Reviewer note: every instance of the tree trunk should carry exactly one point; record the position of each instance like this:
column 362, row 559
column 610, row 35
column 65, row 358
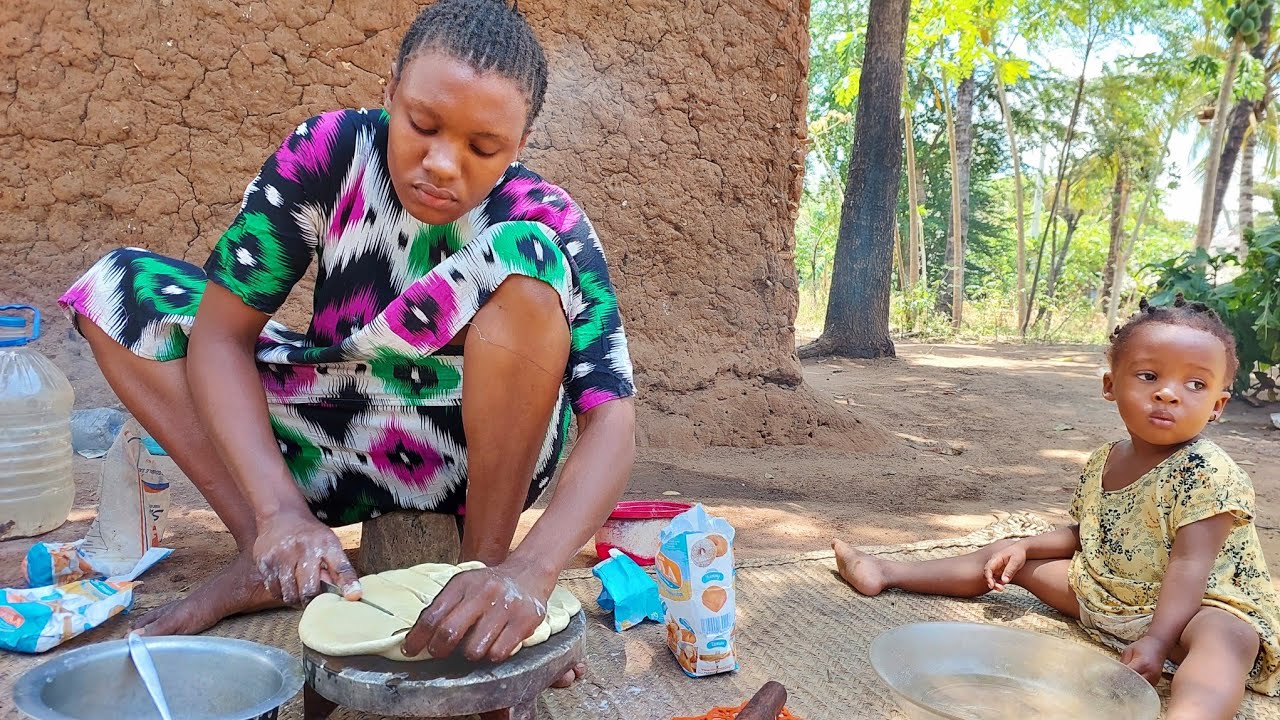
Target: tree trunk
column 1037, row 198
column 915, row 235
column 1072, row 219
column 1241, row 119
column 898, row 263
column 1119, row 210
column 1059, row 260
column 1019, row 200
column 857, row 322
column 960, row 124
column 1204, row 228
column 1246, row 188
column 1242, row 115
column 813, row 272
column 1062, row 169
column 1113, row 302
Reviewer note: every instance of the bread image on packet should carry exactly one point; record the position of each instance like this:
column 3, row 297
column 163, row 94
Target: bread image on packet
column 695, row 579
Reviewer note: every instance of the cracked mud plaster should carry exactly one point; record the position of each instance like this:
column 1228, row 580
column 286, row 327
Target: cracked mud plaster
column 679, row 127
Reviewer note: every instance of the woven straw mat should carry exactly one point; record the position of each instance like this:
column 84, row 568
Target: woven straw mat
column 798, row 623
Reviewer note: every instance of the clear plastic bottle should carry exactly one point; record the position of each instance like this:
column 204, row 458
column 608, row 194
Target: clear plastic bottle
column 36, row 485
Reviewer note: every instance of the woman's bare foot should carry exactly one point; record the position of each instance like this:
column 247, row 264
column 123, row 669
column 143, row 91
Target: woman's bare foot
column 571, row 677
column 237, row 589
column 859, row 569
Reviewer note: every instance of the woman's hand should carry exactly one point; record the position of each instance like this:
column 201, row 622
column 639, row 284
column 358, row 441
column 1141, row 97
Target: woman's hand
column 1004, row 565
column 487, row 613
column 1146, row 657
column 294, row 552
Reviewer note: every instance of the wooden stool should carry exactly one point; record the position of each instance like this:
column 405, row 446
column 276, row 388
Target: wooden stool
column 406, row 538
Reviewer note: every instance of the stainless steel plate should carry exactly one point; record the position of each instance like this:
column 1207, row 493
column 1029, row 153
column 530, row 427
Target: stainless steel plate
column 204, row 678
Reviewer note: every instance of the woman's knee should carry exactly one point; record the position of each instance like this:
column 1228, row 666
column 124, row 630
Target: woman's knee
column 104, row 347
column 524, row 308
column 528, row 294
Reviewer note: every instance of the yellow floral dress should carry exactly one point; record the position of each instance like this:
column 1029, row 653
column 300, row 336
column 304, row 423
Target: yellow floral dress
column 1126, row 539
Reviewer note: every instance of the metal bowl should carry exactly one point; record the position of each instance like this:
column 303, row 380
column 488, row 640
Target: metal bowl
column 967, row 671
column 204, row 678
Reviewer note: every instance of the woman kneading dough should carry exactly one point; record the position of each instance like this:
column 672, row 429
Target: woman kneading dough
column 462, row 314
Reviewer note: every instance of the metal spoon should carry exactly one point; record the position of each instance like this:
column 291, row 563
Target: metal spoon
column 147, row 670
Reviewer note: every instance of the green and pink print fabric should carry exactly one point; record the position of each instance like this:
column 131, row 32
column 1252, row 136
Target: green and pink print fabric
column 366, row 404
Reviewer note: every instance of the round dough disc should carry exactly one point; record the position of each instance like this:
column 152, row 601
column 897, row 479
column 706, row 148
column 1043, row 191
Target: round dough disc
column 400, row 601
column 335, row 626
column 425, row 588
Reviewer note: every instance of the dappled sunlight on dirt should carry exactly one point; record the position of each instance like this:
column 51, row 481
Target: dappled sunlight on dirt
column 1077, row 456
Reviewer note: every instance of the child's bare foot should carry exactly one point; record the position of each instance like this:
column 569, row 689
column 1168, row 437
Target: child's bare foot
column 237, row 589
column 859, row 569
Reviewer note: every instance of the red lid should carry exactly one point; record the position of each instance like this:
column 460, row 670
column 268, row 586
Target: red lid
column 647, row 509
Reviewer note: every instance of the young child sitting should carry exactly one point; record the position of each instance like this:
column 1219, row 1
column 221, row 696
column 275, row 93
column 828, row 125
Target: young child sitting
column 1164, row 563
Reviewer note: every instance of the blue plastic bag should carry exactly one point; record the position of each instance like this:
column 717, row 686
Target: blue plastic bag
column 627, row 591
column 34, row 620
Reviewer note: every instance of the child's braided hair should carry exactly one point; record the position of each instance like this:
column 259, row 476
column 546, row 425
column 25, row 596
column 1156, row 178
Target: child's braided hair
column 489, row 35
column 1188, row 314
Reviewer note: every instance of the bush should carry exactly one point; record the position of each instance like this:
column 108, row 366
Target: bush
column 1249, row 302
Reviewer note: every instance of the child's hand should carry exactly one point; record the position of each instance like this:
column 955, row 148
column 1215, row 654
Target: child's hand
column 1004, row 565
column 1146, row 657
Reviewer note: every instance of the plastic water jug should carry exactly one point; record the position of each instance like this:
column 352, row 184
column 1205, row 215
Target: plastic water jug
column 36, row 485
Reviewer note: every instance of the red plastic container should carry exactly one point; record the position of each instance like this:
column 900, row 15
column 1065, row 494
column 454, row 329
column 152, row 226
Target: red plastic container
column 633, row 528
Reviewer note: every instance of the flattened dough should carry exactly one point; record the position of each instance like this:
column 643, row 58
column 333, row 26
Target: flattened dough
column 421, row 586
column 335, row 626
column 397, row 599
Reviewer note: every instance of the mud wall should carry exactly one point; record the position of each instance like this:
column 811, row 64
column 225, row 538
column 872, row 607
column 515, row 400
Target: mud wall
column 678, row 126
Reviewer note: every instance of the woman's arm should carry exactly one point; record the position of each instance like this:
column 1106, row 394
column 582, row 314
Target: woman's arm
column 232, row 405
column 594, row 476
column 292, row 546
column 1195, row 549
column 490, row 612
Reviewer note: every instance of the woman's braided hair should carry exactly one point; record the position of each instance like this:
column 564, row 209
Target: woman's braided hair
column 1187, row 314
column 489, row 35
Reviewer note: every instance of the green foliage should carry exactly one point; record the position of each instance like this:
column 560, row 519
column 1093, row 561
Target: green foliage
column 1250, row 81
column 1249, row 301
column 1134, row 100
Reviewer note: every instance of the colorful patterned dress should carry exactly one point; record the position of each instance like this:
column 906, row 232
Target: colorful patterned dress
column 1127, row 536
column 367, row 404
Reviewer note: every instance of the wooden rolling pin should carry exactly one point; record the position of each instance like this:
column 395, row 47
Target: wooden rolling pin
column 766, row 704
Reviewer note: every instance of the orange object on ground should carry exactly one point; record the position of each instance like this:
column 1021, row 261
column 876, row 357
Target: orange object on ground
column 727, row 713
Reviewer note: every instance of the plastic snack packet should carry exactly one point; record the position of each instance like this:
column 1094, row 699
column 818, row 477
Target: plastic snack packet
column 37, row 619
column 34, row 620
column 627, row 591
column 695, row 579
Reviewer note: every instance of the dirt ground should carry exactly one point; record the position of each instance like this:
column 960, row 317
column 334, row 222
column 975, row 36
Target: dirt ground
column 979, row 431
